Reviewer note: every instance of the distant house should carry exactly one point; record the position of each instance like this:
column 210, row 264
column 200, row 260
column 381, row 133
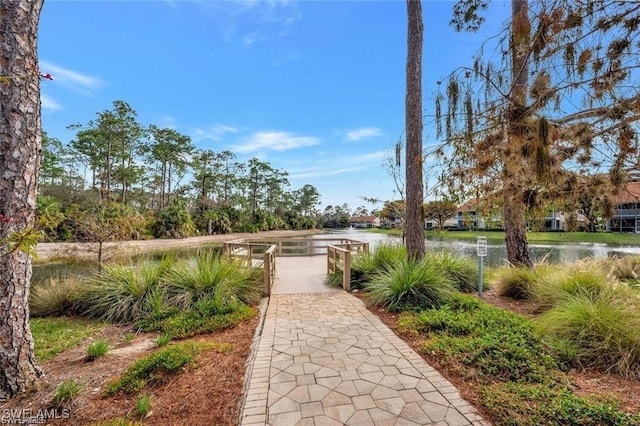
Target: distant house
column 627, row 213
column 468, row 217
column 554, row 221
column 450, row 223
column 365, row 222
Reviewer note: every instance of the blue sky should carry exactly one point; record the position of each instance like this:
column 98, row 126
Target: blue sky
column 313, row 87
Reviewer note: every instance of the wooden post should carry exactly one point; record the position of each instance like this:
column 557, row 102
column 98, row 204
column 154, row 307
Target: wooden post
column 266, row 259
column 346, row 271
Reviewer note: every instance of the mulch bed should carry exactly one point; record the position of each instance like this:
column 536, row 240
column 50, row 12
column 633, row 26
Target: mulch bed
column 206, row 393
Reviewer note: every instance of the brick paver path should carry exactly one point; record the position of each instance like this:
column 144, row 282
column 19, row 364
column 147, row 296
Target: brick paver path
column 324, row 359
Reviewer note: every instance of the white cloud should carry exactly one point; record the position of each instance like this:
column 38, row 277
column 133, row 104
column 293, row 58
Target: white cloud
column 252, row 21
column 73, row 80
column 293, row 19
column 362, row 133
column 251, row 38
column 325, row 172
column 377, row 156
column 339, row 166
column 276, row 141
column 213, row 133
column 49, row 104
column 285, row 59
column 167, row 122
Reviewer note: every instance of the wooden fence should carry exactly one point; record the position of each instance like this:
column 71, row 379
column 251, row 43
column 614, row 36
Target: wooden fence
column 295, row 246
column 339, row 260
column 257, row 256
column 262, row 253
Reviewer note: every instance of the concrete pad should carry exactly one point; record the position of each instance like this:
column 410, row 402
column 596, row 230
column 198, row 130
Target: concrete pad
column 301, row 275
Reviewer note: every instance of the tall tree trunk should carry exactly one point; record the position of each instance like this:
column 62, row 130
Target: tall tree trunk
column 164, row 180
column 513, row 178
column 108, row 197
column 168, row 196
column 123, row 193
column 20, row 146
column 414, row 216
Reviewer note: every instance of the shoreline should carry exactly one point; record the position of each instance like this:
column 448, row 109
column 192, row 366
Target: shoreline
column 48, row 251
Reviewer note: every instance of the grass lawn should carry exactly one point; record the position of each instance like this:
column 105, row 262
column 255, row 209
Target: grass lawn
column 52, row 336
column 558, row 237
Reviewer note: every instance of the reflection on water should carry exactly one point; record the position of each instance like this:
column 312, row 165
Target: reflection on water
column 496, row 253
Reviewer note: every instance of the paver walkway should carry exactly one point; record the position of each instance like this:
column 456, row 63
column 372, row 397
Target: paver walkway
column 324, row 359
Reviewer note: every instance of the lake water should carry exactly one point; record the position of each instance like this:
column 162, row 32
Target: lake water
column 496, row 252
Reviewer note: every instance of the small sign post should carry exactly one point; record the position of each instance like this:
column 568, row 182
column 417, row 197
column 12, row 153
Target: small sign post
column 482, row 252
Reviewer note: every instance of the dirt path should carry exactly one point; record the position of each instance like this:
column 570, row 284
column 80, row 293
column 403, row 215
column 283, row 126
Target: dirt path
column 48, row 251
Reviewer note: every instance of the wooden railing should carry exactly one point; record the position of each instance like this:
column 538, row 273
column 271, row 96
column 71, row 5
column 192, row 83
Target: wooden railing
column 339, row 260
column 297, row 246
column 257, row 256
column 269, row 268
column 261, row 253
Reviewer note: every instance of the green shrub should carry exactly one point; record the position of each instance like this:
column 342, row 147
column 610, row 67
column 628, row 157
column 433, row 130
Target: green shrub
column 209, row 276
column 98, row 349
column 495, row 356
column 515, row 283
column 163, row 339
column 56, row 296
column 155, row 368
column 496, row 344
column 533, row 405
column 143, row 405
column 54, row 335
column 206, row 317
column 465, row 302
column 409, row 284
column 366, row 265
column 48, row 216
column 626, row 268
column 122, row 293
column 599, row 332
column 66, row 392
column 334, row 279
column 501, row 354
column 556, row 286
column 174, row 221
column 462, row 271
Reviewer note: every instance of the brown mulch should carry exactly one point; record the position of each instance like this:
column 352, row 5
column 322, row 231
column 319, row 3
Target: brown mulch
column 206, row 393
